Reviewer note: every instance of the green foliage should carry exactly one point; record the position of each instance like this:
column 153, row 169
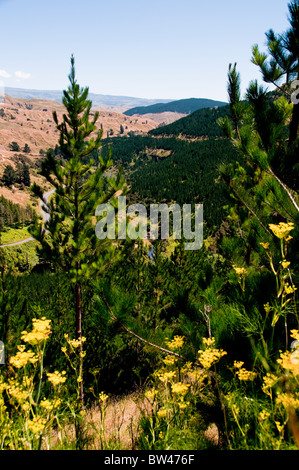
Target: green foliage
column 13, row 215
column 200, row 123
column 187, row 175
column 9, row 176
column 14, row 146
column 26, row 149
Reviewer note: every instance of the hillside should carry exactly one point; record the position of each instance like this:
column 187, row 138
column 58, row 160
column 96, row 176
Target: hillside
column 165, row 169
column 30, row 121
column 199, row 124
column 185, row 106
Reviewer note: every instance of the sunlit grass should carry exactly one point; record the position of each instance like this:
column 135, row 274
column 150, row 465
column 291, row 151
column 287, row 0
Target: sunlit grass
column 12, row 235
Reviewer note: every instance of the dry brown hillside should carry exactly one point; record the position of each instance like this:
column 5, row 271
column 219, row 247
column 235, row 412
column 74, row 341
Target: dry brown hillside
column 30, row 121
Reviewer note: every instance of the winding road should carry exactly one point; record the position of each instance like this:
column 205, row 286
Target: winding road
column 45, row 215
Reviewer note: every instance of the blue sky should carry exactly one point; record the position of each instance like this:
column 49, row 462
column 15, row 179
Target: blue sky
column 150, row 49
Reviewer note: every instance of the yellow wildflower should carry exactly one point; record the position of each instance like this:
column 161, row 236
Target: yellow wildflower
column 264, row 415
column 187, row 368
column 269, row 380
column 103, row 397
column 210, row 356
column 49, row 405
column 75, row 343
column 245, row 375
column 265, row 245
column 280, row 427
column 288, row 400
column 242, row 373
column 176, row 343
column 238, row 364
column 208, row 341
column 179, row 388
column 282, row 230
column 166, row 376
column 16, row 392
column 25, row 406
column 151, row 394
column 295, row 334
column 268, row 308
column 40, row 332
column 169, row 360
column 162, row 413
column 183, row 404
column 239, row 271
column 36, row 425
column 23, row 357
column 289, row 361
column 56, row 378
column 46, row 404
column 289, row 289
column 285, row 264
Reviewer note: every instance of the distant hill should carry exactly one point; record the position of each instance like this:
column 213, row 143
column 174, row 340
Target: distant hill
column 31, row 121
column 198, row 124
column 186, row 106
column 125, row 102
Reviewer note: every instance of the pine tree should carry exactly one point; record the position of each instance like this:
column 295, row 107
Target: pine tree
column 9, row 176
column 282, row 64
column 26, row 149
column 262, row 129
column 26, row 175
column 68, row 238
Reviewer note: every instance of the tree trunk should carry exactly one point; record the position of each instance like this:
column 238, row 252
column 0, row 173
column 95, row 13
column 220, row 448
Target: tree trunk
column 79, row 337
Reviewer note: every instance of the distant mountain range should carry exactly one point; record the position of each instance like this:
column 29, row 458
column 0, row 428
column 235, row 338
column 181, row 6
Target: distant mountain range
column 185, row 106
column 97, row 99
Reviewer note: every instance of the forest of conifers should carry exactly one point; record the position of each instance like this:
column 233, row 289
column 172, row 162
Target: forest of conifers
column 205, row 341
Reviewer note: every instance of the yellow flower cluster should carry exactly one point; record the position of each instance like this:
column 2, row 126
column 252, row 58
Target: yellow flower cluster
column 162, row 412
column 210, row 355
column 268, row 308
column 16, row 391
column 103, row 397
column 295, row 334
column 285, row 264
column 151, row 394
column 56, row 378
column 75, row 343
column 179, row 388
column 239, row 271
column 288, row 362
column 269, row 380
column 169, row 360
column 242, row 373
column 22, row 358
column 166, row 376
column 36, row 425
column 288, row 400
column 282, row 230
column 265, row 245
column 264, row 415
column 289, row 289
column 49, row 405
column 40, row 332
column 176, row 343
